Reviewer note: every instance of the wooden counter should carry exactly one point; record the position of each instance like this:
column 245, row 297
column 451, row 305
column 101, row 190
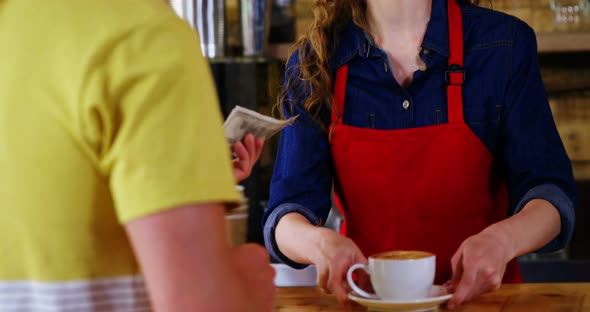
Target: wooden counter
column 509, row 298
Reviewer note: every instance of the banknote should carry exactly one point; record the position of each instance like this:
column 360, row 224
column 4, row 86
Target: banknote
column 242, row 121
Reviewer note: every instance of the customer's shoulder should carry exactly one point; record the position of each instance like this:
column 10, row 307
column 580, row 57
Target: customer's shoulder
column 80, row 19
column 120, row 14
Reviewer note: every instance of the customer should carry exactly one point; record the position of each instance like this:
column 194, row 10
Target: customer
column 112, row 159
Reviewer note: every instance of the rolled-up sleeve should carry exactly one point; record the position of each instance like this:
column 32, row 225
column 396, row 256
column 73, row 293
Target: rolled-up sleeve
column 273, row 220
column 302, row 176
column 532, row 151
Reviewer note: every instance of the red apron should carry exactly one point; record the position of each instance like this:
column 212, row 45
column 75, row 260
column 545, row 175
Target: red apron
column 426, row 188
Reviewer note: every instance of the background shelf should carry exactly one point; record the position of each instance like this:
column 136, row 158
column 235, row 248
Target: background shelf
column 560, row 42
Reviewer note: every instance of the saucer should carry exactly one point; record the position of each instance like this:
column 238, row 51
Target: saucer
column 431, row 303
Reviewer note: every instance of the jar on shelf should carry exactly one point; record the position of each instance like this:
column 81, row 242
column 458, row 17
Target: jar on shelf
column 571, row 14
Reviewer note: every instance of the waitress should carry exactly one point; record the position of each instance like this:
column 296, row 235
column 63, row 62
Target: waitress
column 429, row 120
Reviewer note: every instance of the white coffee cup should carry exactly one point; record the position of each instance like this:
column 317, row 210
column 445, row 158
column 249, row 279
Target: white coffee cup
column 398, row 275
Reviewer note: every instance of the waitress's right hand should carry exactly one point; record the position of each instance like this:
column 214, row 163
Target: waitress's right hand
column 336, row 253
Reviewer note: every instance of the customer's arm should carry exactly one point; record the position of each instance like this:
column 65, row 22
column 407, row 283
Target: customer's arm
column 186, row 260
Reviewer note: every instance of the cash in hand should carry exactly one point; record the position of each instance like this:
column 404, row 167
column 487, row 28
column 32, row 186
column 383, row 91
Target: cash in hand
column 242, row 121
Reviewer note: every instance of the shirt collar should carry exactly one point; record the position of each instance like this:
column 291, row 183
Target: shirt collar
column 353, row 41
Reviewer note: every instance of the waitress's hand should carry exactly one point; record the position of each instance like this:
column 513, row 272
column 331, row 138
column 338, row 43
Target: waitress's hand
column 479, row 265
column 336, row 253
column 247, row 154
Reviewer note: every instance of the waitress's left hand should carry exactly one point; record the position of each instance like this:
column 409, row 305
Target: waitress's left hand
column 247, row 154
column 479, row 265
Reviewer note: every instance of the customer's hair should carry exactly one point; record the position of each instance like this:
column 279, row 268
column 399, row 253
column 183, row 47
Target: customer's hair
column 315, row 47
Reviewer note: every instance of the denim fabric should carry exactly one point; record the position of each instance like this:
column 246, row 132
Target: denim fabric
column 504, row 104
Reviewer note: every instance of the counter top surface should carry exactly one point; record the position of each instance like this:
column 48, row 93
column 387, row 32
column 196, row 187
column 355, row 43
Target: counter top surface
column 509, row 298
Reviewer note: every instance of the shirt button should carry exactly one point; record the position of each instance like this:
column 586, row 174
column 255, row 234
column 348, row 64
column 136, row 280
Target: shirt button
column 406, row 104
column 425, row 51
column 423, row 67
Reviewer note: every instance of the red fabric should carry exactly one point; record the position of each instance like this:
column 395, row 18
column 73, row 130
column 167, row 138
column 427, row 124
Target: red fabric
column 454, row 90
column 455, row 33
column 396, row 196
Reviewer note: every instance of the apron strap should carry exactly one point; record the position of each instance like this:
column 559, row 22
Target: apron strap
column 339, row 95
column 455, row 74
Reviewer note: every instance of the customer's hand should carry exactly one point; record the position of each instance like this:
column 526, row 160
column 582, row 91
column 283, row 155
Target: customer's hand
column 479, row 265
column 257, row 275
column 335, row 255
column 247, row 153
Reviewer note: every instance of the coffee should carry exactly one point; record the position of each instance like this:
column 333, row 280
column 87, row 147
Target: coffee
column 402, row 255
column 397, row 275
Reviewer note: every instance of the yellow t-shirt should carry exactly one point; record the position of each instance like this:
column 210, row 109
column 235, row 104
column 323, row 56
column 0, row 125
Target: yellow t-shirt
column 107, row 113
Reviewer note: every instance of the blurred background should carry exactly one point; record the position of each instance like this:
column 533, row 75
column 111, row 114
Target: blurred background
column 248, row 41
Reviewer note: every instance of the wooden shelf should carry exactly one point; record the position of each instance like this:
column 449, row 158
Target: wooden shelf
column 551, row 42
column 556, row 42
column 552, row 37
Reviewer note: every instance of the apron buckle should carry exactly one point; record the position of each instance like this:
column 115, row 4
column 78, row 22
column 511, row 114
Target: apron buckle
column 455, row 75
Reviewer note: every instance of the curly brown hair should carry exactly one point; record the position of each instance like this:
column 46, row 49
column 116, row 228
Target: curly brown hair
column 312, row 73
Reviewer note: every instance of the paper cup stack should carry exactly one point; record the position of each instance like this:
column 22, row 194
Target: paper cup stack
column 237, row 221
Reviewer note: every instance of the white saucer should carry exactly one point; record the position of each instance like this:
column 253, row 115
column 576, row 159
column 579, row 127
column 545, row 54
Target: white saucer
column 439, row 296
